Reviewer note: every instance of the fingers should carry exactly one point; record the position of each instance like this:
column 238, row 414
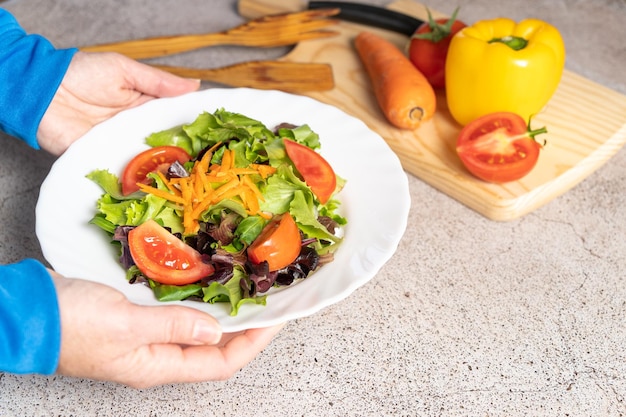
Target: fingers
column 172, row 364
column 157, row 83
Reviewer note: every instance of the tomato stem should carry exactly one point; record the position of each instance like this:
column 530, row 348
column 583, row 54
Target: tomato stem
column 437, row 31
column 514, row 42
column 534, row 132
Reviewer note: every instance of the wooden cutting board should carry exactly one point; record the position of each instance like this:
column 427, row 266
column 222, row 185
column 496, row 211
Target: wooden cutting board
column 586, row 123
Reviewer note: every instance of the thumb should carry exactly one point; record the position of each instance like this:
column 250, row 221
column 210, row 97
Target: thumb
column 158, row 83
column 175, row 324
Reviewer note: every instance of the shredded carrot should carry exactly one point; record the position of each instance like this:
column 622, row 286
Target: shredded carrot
column 263, row 170
column 252, row 187
column 208, row 184
column 196, row 211
column 172, row 189
column 161, row 193
column 228, row 160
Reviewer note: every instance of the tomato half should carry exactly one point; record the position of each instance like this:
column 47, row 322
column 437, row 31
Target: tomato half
column 498, row 147
column 154, row 159
column 278, row 243
column 165, row 258
column 429, row 49
column 315, row 170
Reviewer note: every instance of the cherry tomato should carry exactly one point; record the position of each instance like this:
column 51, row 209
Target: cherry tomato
column 278, row 243
column 499, row 147
column 165, row 258
column 429, row 44
column 315, row 170
column 154, row 159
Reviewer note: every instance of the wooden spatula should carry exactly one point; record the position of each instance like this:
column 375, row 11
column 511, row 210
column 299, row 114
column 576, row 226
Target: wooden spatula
column 291, row 77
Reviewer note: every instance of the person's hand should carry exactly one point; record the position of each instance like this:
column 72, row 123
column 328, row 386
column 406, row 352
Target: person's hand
column 96, row 87
column 106, row 337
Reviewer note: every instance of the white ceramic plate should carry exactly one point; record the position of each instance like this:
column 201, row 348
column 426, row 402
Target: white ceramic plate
column 375, row 199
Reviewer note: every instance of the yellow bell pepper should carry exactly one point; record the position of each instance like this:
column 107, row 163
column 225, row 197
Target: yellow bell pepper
column 499, row 65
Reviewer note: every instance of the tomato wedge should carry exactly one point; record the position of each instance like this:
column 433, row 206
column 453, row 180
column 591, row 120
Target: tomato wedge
column 165, row 258
column 278, row 243
column 315, row 170
column 499, row 147
column 154, row 159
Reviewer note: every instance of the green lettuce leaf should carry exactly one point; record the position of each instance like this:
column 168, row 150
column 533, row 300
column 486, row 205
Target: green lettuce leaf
column 175, row 136
column 303, row 211
column 301, row 134
column 110, row 184
column 230, row 292
column 164, row 292
column 115, row 209
column 249, row 228
column 280, row 190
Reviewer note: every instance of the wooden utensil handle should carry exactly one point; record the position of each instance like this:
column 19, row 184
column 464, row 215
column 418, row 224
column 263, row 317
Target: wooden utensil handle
column 159, row 46
column 265, row 75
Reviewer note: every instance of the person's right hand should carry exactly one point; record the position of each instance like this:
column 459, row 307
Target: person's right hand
column 106, row 337
column 96, row 87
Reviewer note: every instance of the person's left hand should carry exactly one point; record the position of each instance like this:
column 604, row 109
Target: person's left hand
column 96, row 87
column 106, row 337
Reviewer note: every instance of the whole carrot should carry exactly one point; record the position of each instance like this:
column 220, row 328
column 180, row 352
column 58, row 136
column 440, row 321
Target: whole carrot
column 404, row 95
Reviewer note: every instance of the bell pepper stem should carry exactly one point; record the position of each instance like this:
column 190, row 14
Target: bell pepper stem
column 514, row 42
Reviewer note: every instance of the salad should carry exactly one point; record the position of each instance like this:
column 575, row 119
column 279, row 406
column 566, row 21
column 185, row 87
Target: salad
column 222, row 209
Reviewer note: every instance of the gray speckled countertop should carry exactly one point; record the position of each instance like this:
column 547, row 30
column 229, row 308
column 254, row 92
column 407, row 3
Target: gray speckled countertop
column 469, row 318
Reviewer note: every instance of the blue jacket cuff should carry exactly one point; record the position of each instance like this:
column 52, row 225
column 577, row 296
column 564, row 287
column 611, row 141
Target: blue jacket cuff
column 30, row 323
column 31, row 70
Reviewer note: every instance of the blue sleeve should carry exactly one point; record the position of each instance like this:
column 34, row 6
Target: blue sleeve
column 30, row 324
column 31, row 70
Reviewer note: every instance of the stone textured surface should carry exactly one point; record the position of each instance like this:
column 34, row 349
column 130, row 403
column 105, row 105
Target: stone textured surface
column 470, row 317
